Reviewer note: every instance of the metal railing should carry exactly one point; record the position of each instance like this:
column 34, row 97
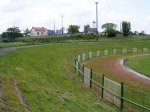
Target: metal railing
column 123, row 97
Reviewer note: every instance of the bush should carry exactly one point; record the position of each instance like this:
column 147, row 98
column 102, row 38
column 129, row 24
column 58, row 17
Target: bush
column 111, row 33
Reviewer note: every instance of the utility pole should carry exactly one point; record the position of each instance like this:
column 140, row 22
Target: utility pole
column 96, row 16
column 62, row 24
column 14, row 24
column 121, row 27
column 54, row 28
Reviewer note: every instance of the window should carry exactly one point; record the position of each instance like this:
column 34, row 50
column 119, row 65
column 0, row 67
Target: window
column 38, row 33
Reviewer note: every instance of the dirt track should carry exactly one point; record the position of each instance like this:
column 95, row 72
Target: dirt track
column 116, row 71
column 119, row 69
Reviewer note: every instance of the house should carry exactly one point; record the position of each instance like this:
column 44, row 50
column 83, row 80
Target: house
column 39, row 31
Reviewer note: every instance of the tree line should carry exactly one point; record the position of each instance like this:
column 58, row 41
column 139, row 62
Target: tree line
column 110, row 30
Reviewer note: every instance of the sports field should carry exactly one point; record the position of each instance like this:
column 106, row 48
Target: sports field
column 140, row 64
column 46, row 78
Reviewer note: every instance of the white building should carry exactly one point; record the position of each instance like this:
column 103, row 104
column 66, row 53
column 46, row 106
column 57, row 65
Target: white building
column 39, row 31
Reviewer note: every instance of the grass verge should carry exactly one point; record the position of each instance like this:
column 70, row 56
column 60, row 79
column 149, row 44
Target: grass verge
column 46, row 78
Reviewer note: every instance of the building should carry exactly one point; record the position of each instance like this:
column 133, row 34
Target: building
column 39, row 31
column 93, row 30
column 58, row 32
column 51, row 32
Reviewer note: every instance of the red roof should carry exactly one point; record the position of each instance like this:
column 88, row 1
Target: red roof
column 39, row 28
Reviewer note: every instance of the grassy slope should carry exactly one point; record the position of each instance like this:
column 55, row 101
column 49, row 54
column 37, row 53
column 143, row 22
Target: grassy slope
column 47, row 80
column 140, row 64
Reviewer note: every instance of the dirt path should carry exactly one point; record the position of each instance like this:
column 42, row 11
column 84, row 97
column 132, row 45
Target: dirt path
column 116, row 71
column 117, row 68
column 125, row 66
column 21, row 96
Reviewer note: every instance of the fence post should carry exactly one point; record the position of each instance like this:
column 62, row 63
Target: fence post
column 91, row 78
column 103, row 78
column 122, row 95
column 83, row 75
column 87, row 55
column 75, row 64
column 78, row 68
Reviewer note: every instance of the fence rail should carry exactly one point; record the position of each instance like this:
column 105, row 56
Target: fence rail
column 123, row 97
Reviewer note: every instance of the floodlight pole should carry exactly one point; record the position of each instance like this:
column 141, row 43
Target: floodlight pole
column 54, row 28
column 62, row 24
column 97, row 16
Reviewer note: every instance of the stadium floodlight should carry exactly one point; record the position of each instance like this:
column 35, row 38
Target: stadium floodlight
column 97, row 16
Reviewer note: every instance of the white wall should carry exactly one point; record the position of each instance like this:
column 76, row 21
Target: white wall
column 41, row 33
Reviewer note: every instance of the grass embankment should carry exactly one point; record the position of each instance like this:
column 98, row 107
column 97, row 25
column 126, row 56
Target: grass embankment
column 47, row 79
column 140, row 64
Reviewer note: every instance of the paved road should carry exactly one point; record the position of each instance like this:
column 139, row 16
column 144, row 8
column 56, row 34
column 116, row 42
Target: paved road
column 6, row 50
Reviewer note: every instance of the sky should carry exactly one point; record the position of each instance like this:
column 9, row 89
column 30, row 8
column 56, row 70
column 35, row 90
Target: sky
column 45, row 13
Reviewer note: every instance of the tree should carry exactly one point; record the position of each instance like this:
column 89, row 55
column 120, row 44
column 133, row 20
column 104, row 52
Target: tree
column 86, row 29
column 111, row 33
column 27, row 32
column 142, row 33
column 135, row 33
column 110, row 29
column 73, row 29
column 126, row 27
column 12, row 33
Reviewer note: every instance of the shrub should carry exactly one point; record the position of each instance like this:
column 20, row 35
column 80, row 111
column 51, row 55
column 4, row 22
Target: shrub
column 111, row 33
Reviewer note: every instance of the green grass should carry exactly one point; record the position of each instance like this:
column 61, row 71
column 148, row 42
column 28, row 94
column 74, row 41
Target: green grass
column 12, row 44
column 47, row 80
column 140, row 64
column 83, row 38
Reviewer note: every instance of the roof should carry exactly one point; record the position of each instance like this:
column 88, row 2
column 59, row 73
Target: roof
column 39, row 28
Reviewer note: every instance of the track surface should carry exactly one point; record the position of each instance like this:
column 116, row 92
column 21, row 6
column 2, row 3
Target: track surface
column 123, row 63
column 113, row 69
column 119, row 69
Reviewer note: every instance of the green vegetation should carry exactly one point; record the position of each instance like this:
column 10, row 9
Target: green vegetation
column 12, row 44
column 140, row 64
column 110, row 29
column 86, row 28
column 72, row 39
column 126, row 28
column 46, row 78
column 73, row 29
column 12, row 33
column 83, row 38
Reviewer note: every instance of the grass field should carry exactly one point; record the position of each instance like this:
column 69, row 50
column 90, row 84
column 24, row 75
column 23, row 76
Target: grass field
column 46, row 78
column 140, row 64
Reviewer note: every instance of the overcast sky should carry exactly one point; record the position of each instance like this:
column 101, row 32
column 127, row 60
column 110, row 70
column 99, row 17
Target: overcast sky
column 28, row 13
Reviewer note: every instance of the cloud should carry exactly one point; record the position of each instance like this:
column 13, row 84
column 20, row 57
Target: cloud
column 28, row 13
